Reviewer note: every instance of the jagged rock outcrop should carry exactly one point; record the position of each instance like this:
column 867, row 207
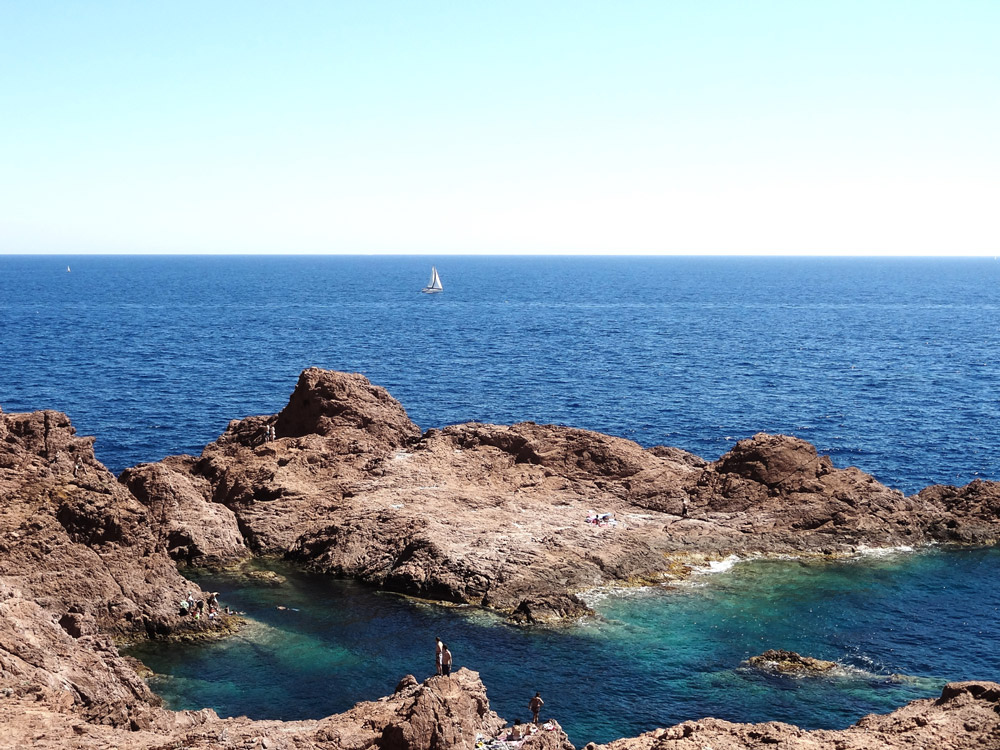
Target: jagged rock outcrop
column 496, row 515
column 362, row 417
column 442, row 713
column 76, row 541
column 185, row 525
column 83, row 563
column 79, row 566
column 549, row 609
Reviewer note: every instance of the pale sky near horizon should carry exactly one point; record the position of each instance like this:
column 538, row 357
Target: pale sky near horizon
column 633, row 127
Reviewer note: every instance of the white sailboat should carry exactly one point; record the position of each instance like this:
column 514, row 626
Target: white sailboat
column 434, row 285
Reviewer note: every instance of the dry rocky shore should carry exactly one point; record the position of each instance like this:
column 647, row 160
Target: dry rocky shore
column 488, row 515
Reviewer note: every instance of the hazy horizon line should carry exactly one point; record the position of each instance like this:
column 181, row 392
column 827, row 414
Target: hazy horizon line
column 453, row 254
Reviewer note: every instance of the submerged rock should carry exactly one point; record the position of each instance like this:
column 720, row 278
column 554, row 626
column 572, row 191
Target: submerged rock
column 549, row 609
column 789, row 662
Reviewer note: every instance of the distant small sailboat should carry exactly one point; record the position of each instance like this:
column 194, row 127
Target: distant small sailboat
column 434, row 286
column 67, row 269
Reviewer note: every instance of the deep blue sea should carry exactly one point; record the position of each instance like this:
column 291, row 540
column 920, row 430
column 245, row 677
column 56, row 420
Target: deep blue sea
column 886, row 364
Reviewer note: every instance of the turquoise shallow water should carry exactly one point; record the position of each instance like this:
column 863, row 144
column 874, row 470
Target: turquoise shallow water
column 652, row 657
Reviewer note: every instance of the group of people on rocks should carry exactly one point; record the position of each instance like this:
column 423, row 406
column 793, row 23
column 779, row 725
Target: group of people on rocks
column 443, row 661
column 198, row 607
column 601, row 519
column 248, row 435
column 513, row 738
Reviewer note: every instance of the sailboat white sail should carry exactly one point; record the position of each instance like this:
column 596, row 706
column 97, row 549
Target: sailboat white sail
column 435, row 283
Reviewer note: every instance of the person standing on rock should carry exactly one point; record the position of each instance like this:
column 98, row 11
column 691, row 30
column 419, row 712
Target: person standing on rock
column 437, row 655
column 535, row 704
column 446, row 661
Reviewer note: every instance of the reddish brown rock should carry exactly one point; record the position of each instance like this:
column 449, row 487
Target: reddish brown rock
column 966, row 716
column 362, row 417
column 966, row 515
column 186, row 524
column 549, row 609
column 76, row 541
column 774, row 460
column 443, row 713
column 496, row 515
column 79, row 565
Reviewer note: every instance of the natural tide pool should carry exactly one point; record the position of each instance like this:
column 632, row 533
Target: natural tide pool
column 652, row 657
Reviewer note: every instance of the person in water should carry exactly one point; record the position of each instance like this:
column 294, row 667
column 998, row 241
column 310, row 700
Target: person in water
column 446, row 661
column 535, row 705
column 437, row 656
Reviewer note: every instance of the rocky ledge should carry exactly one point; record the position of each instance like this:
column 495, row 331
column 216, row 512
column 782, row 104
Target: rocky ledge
column 965, row 716
column 342, row 481
column 497, row 516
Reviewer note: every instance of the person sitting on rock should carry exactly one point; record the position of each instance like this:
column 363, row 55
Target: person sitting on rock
column 517, row 733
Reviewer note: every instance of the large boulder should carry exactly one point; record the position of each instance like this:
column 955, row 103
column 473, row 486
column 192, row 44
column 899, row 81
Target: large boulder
column 190, row 527
column 772, row 460
column 346, row 406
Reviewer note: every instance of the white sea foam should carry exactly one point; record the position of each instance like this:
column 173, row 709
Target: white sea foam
column 593, row 597
column 689, row 583
column 864, row 550
column 717, row 566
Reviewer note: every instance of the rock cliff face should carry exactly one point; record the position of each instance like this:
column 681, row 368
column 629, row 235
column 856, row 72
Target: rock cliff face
column 84, row 564
column 79, row 566
column 440, row 713
column 343, row 482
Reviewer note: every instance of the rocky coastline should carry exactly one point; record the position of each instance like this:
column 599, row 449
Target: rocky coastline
column 342, row 482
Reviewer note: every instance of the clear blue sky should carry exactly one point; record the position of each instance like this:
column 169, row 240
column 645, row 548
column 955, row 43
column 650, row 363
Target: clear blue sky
column 701, row 126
